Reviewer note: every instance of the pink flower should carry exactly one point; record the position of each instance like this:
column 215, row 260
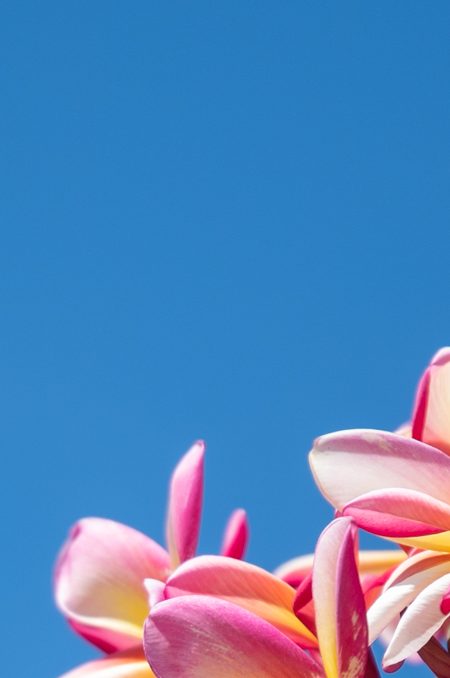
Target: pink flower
column 100, row 572
column 222, row 618
column 399, row 488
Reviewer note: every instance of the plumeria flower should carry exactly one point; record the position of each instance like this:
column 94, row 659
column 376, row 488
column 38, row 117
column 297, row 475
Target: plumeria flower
column 100, row 572
column 226, row 619
column 399, row 488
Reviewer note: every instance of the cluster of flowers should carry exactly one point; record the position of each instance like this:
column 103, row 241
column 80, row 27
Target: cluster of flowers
column 170, row 614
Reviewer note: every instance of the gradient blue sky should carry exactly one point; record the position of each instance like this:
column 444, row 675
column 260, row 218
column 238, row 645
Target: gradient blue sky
column 219, row 220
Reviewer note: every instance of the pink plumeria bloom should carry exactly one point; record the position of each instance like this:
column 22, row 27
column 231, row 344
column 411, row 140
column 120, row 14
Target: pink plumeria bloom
column 100, row 572
column 224, row 619
column 399, row 488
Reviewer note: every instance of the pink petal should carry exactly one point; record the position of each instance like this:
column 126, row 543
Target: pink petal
column 405, row 584
column 295, row 570
column 128, row 664
column 236, row 535
column 371, row 668
column 303, row 594
column 155, row 590
column 445, row 602
column 421, row 620
column 99, row 579
column 348, row 464
column 339, row 603
column 245, row 585
column 185, row 505
column 399, row 513
column 210, row 638
column 303, row 607
column 430, row 417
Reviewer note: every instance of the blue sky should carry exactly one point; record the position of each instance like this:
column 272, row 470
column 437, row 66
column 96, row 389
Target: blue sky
column 219, row 220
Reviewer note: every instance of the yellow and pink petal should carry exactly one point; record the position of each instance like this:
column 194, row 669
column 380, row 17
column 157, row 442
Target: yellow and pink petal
column 339, row 603
column 203, row 637
column 127, row 664
column 243, row 584
column 371, row 563
column 99, row 579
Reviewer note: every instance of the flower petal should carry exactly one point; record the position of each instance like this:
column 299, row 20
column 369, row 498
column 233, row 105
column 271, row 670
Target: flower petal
column 206, row 637
column 348, row 464
column 431, row 422
column 339, row 603
column 185, row 505
column 399, row 513
column 128, row 664
column 434, row 542
column 420, row 621
column 294, row 571
column 405, row 583
column 244, row 584
column 99, row 579
column 236, row 535
column 370, row 563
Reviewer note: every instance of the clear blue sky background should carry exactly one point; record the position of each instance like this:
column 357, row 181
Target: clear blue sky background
column 220, row 220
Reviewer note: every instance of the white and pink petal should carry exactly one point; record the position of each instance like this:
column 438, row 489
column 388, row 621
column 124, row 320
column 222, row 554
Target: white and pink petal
column 420, row 621
column 348, row 464
column 399, row 513
column 405, row 584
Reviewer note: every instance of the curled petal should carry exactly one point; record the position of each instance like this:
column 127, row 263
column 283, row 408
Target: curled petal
column 339, row 603
column 399, row 513
column 236, row 535
column 405, row 584
column 128, row 664
column 244, row 584
column 185, row 505
column 207, row 637
column 99, row 578
column 348, row 464
column 421, row 620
